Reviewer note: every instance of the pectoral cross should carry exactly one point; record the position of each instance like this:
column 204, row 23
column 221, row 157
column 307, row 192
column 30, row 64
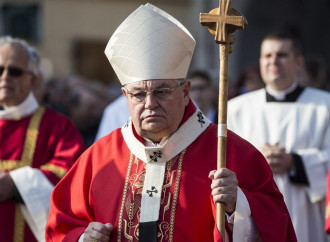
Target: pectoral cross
column 155, row 156
column 222, row 22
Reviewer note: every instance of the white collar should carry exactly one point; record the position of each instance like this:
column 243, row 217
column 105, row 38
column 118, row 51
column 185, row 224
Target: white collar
column 25, row 108
column 156, row 155
column 280, row 95
column 177, row 142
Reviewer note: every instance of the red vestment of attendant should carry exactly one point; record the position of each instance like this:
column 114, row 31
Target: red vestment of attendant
column 106, row 182
column 327, row 206
column 49, row 142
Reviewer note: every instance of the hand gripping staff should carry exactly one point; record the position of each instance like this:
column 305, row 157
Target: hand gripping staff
column 222, row 22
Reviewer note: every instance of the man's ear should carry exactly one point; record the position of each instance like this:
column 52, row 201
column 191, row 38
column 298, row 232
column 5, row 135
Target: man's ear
column 186, row 89
column 300, row 62
column 186, row 92
column 123, row 90
column 36, row 80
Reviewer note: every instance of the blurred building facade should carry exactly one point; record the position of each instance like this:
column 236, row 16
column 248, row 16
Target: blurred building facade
column 71, row 34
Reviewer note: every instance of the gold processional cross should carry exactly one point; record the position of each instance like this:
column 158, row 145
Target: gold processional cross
column 222, row 22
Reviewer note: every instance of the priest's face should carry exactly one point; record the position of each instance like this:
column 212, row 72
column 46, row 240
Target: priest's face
column 202, row 93
column 157, row 106
column 16, row 80
column 279, row 66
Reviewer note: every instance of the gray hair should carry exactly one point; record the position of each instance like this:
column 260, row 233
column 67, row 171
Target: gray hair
column 34, row 58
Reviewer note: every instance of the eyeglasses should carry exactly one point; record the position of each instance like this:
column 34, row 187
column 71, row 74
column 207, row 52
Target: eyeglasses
column 13, row 71
column 159, row 93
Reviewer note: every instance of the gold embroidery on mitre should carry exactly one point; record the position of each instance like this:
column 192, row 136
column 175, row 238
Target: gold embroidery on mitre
column 129, row 217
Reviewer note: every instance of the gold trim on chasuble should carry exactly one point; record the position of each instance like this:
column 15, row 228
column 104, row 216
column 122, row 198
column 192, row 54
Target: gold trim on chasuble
column 58, row 171
column 129, row 216
column 327, row 211
column 26, row 160
column 29, row 148
column 29, row 143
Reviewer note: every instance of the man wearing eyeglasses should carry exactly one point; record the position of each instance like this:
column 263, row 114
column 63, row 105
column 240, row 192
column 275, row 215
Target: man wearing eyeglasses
column 155, row 179
column 37, row 146
column 202, row 92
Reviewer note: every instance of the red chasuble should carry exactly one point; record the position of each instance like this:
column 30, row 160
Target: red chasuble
column 45, row 140
column 106, row 183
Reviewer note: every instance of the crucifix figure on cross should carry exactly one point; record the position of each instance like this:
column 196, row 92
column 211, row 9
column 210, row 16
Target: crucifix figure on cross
column 221, row 23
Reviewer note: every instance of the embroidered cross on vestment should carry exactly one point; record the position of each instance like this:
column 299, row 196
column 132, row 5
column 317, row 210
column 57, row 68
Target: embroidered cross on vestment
column 153, row 189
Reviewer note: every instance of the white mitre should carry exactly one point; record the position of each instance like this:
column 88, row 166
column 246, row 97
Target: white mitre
column 150, row 44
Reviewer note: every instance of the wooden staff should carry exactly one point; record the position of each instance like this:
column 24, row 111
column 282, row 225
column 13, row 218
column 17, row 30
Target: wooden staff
column 221, row 22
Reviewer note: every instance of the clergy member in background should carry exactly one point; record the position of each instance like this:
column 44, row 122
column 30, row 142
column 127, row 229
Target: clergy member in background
column 203, row 94
column 155, row 179
column 291, row 127
column 37, row 146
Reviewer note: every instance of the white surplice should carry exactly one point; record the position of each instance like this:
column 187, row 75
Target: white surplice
column 302, row 127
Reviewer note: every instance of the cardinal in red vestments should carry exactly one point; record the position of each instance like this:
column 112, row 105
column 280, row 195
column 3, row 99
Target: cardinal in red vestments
column 156, row 179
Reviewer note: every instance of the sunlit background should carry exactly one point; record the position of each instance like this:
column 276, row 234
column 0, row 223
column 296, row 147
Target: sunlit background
column 71, row 34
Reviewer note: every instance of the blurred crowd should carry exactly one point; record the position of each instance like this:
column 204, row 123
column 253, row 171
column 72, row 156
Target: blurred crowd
column 82, row 100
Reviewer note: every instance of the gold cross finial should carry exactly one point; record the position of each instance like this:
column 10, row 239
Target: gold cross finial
column 223, row 21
